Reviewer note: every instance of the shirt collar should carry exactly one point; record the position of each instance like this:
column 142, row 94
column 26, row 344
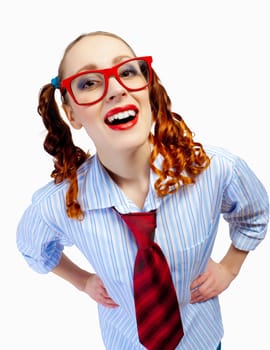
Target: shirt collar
column 97, row 190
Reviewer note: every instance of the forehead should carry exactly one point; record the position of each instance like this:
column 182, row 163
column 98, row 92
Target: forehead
column 98, row 50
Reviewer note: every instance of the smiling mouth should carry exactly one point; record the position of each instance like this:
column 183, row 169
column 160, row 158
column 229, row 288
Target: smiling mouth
column 121, row 118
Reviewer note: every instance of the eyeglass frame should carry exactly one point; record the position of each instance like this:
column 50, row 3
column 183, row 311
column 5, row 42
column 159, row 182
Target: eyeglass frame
column 65, row 84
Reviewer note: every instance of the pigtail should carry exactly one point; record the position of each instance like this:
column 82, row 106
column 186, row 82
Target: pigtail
column 59, row 144
column 183, row 159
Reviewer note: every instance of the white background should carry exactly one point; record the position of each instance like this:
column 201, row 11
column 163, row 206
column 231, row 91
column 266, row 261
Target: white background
column 213, row 58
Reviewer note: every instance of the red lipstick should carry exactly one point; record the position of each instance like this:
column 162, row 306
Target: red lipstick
column 122, row 118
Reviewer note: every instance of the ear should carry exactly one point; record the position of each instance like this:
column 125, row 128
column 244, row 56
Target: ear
column 70, row 115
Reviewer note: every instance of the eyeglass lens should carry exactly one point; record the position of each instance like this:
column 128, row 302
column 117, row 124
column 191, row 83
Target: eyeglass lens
column 90, row 87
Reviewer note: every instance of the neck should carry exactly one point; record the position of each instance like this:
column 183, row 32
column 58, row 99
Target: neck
column 130, row 171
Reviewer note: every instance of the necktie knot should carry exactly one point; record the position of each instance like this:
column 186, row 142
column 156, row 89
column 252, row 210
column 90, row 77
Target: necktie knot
column 142, row 225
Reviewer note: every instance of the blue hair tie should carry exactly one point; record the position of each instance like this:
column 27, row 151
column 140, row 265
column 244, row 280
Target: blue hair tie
column 55, row 82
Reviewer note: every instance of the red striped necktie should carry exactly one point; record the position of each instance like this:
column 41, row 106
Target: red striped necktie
column 157, row 310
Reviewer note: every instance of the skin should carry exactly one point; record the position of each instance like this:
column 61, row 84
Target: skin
column 125, row 154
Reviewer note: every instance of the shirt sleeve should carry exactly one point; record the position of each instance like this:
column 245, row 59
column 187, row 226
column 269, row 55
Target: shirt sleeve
column 245, row 207
column 40, row 244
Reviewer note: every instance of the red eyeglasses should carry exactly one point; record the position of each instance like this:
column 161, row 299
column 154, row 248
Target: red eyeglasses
column 89, row 87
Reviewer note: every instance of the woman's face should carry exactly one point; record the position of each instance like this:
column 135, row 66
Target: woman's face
column 99, row 52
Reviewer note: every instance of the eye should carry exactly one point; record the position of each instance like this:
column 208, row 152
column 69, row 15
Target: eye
column 128, row 71
column 88, row 81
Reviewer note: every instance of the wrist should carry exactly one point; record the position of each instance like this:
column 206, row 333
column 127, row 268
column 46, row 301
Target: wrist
column 82, row 280
column 233, row 260
column 72, row 273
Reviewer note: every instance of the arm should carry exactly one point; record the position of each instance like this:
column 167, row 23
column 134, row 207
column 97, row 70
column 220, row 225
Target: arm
column 85, row 281
column 217, row 276
column 245, row 206
column 72, row 273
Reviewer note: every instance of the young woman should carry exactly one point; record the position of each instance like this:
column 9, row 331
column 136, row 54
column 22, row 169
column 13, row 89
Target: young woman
column 145, row 160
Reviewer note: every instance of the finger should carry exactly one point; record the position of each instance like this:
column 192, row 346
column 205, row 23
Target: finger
column 108, row 302
column 104, row 290
column 100, row 284
column 111, row 304
column 199, row 281
column 202, row 294
column 197, row 297
column 104, row 298
column 104, row 294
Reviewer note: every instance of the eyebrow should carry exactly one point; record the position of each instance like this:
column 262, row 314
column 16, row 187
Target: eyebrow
column 92, row 66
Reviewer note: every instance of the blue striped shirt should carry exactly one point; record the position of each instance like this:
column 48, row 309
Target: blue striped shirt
column 187, row 223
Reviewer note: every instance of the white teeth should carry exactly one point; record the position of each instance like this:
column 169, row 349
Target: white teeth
column 122, row 115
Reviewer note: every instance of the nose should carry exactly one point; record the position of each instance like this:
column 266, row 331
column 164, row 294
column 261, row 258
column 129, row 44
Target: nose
column 115, row 90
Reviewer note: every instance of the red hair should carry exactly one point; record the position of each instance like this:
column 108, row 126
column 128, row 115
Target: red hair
column 183, row 158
